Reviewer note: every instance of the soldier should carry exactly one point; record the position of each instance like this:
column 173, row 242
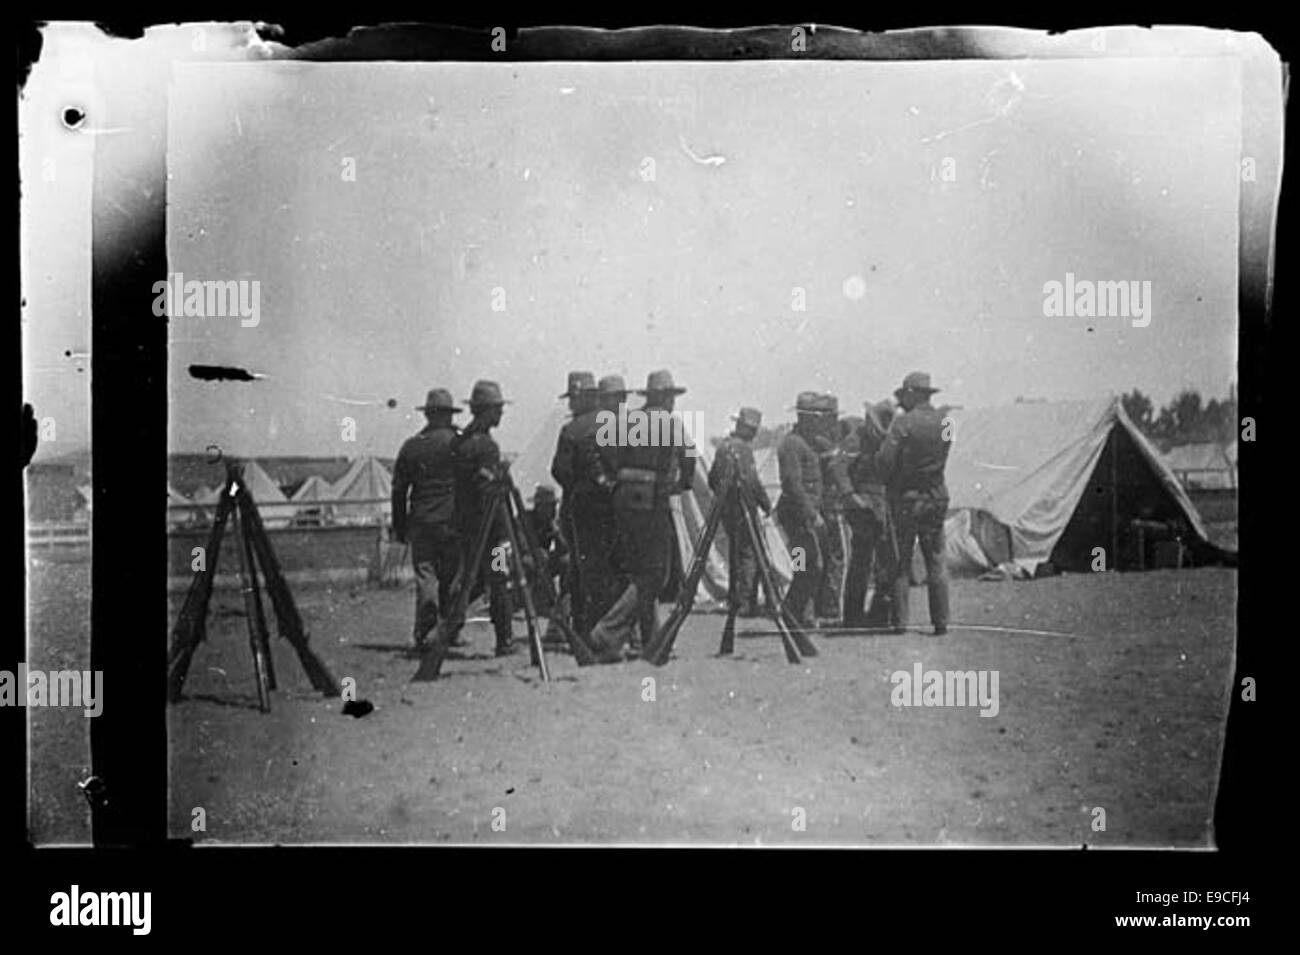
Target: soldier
column 570, row 470
column 799, row 509
column 478, row 473
column 734, row 461
column 425, row 473
column 871, row 538
column 652, row 467
column 609, row 578
column 836, row 488
column 911, row 460
column 553, row 550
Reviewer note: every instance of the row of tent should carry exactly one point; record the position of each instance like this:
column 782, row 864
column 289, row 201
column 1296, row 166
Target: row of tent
column 1029, row 484
column 316, row 501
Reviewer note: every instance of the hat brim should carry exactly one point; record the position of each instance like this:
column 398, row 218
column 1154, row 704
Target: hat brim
column 661, row 391
column 452, row 408
column 580, row 391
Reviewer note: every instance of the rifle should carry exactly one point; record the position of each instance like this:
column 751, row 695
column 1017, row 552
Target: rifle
column 793, row 638
column 661, row 644
column 583, row 654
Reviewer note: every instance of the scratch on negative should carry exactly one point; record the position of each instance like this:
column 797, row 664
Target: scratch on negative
column 702, row 160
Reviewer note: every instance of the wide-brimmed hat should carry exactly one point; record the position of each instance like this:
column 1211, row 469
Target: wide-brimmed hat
column 580, row 381
column 829, row 405
column 439, row 399
column 613, row 385
column 486, row 393
column 660, row 382
column 808, row 402
column 817, row 402
column 748, row 418
column 918, row 381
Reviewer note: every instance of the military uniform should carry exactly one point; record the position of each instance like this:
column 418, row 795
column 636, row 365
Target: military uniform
column 587, row 514
column 871, row 546
column 478, row 473
column 647, row 478
column 554, row 551
column 734, row 461
column 912, row 460
column 799, row 508
column 836, row 489
column 424, row 513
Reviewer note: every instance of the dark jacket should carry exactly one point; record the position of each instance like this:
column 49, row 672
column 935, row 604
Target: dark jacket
column 734, row 460
column 577, row 466
column 478, row 470
column 801, row 480
column 913, row 455
column 425, row 473
column 837, row 488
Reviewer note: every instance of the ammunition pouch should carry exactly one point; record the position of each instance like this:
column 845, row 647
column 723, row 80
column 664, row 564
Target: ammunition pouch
column 636, row 489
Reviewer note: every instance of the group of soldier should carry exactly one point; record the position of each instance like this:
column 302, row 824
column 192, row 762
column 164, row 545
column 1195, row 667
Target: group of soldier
column 612, row 541
column 884, row 483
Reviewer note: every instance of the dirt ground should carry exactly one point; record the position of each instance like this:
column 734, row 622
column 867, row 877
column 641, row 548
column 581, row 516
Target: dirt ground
column 1126, row 714
column 58, row 638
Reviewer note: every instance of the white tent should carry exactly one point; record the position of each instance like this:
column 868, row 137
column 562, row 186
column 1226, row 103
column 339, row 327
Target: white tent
column 1203, row 466
column 208, row 496
column 532, row 467
column 313, row 495
column 177, row 511
column 272, row 505
column 366, row 480
column 1056, row 480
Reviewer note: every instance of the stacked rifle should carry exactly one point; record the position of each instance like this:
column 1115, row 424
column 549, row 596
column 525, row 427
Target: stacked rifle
column 794, row 639
column 504, row 508
column 253, row 548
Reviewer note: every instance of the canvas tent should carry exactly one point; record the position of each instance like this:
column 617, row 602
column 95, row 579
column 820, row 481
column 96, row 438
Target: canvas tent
column 208, row 496
column 177, row 510
column 272, row 505
column 366, row 480
column 532, row 467
column 1038, row 481
column 1203, row 466
column 312, row 496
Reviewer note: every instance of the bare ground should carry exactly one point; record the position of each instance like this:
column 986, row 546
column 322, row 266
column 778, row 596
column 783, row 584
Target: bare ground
column 1125, row 715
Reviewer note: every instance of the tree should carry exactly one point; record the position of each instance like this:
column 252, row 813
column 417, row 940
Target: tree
column 1140, row 410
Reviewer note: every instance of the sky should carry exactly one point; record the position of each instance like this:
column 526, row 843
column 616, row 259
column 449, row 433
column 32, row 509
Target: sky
column 624, row 217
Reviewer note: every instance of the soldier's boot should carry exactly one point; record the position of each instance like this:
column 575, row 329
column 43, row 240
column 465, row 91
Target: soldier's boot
column 647, row 626
column 902, row 592
column 502, row 612
column 938, row 591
